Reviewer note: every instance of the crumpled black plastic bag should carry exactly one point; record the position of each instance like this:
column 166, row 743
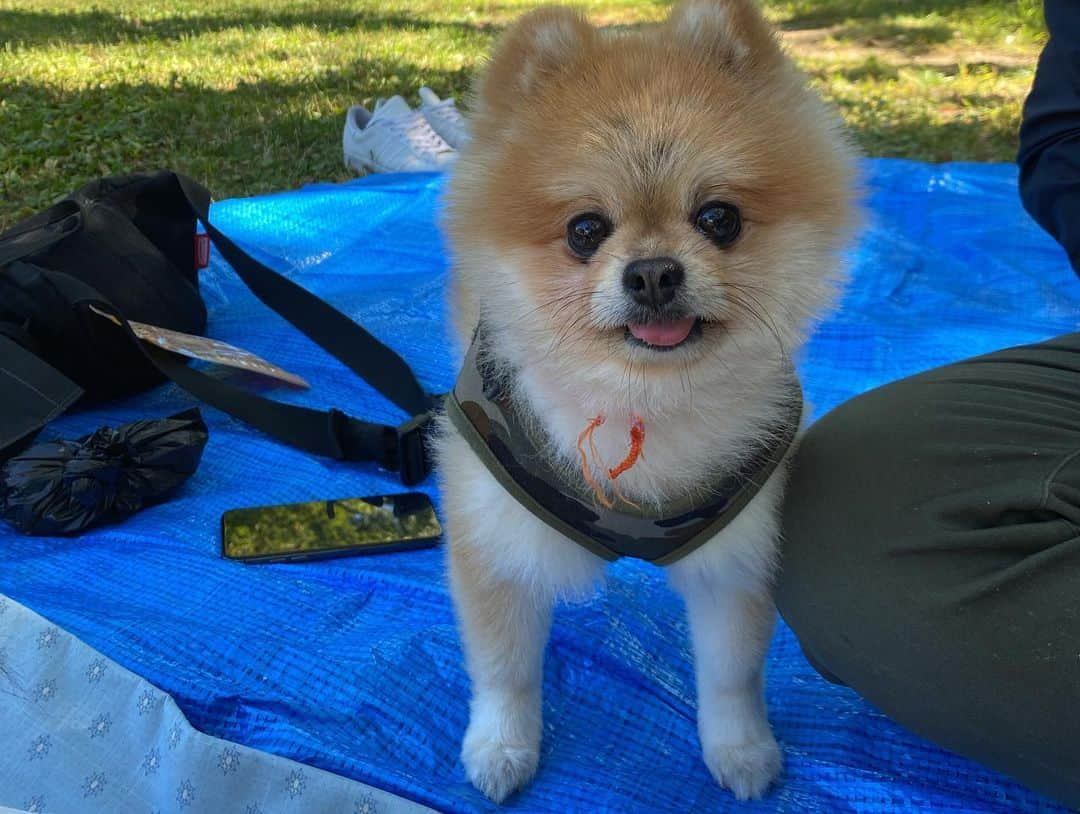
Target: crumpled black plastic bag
column 64, row 487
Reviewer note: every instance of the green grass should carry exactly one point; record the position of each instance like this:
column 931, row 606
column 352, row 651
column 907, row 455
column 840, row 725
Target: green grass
column 249, row 95
column 974, row 21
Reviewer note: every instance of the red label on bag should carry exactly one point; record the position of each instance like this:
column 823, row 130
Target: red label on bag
column 202, row 251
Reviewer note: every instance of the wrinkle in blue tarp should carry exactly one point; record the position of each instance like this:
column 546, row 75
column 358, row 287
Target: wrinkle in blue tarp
column 354, row 665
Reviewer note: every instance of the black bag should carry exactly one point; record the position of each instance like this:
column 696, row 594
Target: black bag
column 129, row 241
column 125, row 247
column 64, row 487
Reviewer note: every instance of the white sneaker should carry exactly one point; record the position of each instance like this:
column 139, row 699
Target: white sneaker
column 444, row 118
column 395, row 138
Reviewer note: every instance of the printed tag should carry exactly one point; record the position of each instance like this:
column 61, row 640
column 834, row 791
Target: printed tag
column 209, row 350
column 202, row 251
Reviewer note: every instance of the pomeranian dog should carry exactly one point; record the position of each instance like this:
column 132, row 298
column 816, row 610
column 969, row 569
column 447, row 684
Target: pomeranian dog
column 645, row 223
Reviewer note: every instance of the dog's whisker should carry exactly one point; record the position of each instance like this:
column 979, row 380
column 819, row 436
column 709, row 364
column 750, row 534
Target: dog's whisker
column 756, row 315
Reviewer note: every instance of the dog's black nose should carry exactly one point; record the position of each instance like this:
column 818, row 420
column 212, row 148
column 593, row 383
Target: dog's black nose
column 653, row 281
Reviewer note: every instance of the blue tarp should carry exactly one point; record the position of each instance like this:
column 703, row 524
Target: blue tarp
column 354, row 665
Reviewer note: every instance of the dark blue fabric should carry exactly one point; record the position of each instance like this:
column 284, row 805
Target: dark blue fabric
column 1049, row 155
column 354, row 665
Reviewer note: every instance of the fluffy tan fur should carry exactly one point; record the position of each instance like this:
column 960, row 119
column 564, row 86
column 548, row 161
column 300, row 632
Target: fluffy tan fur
column 645, row 128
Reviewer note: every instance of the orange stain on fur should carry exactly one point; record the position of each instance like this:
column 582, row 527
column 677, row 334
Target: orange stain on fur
column 637, row 441
column 586, row 470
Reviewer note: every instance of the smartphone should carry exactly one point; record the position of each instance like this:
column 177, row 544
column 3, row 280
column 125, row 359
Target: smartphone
column 329, row 528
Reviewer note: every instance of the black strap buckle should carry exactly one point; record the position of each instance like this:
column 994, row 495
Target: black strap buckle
column 411, row 452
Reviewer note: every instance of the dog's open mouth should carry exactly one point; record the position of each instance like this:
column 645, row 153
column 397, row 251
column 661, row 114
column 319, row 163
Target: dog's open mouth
column 664, row 335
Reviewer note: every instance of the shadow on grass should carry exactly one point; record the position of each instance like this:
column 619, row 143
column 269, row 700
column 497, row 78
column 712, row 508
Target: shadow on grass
column 254, row 138
column 36, row 28
column 823, row 13
column 910, row 39
column 873, row 68
column 924, row 139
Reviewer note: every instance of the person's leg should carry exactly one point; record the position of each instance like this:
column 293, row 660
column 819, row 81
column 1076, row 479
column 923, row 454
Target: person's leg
column 932, row 557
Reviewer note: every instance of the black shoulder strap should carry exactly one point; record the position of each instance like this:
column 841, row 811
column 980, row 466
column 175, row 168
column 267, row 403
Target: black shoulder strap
column 333, row 433
column 39, row 231
column 338, row 335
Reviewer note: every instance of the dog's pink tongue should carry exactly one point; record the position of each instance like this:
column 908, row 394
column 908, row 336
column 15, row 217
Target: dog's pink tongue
column 664, row 334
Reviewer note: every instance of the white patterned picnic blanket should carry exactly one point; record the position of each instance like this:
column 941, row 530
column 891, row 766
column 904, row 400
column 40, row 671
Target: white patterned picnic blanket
column 80, row 734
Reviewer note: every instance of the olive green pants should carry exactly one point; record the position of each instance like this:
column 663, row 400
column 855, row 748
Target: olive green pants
column 932, row 557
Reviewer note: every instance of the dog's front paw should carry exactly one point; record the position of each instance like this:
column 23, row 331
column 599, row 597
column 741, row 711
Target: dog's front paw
column 746, row 769
column 495, row 765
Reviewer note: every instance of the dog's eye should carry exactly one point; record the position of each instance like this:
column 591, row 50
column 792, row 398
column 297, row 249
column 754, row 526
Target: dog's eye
column 585, row 233
column 720, row 222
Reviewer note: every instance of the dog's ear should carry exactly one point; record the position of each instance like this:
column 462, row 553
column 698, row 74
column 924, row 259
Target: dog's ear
column 732, row 34
column 533, row 50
